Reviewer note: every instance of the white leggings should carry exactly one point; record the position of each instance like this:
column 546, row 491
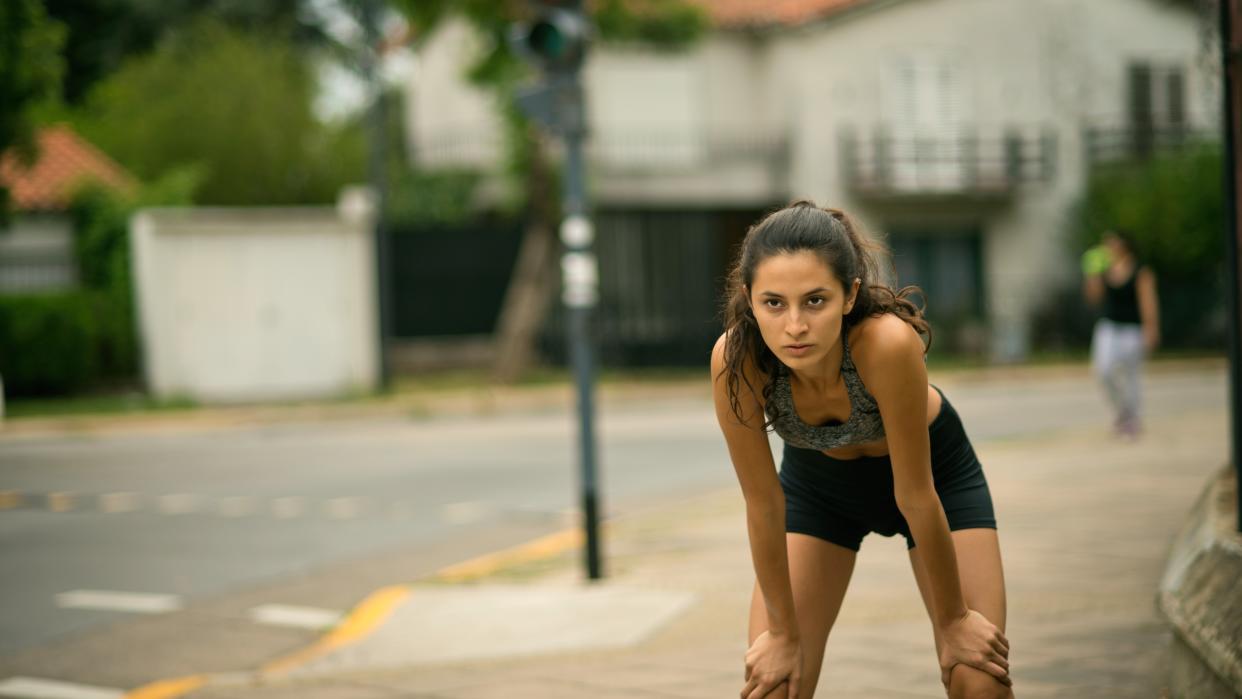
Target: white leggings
column 1116, row 355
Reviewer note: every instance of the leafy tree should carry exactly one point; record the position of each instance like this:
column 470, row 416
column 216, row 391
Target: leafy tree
column 30, row 72
column 103, row 34
column 236, row 105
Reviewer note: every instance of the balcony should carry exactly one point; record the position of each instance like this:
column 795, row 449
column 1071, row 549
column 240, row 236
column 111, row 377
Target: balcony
column 1129, row 144
column 881, row 166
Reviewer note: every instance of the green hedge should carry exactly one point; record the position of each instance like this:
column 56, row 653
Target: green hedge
column 48, row 342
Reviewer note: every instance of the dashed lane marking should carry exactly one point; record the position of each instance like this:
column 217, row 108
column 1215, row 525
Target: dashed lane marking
column 60, row 501
column 467, row 512
column 37, row 688
column 237, row 506
column 114, row 601
column 112, row 503
column 288, row 507
column 177, row 503
column 344, row 508
column 297, row 617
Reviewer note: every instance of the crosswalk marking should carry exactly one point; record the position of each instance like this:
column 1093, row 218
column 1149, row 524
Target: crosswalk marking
column 110, row 600
column 298, row 617
column 36, row 688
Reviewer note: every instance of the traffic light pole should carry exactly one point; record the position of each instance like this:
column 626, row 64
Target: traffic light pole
column 557, row 41
column 579, row 268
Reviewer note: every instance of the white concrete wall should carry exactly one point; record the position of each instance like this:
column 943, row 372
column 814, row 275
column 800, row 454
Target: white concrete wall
column 256, row 304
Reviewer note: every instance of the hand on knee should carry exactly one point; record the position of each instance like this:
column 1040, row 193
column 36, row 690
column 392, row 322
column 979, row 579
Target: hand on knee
column 968, row 683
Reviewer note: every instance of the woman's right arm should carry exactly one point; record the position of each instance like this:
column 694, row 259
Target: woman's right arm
column 765, row 518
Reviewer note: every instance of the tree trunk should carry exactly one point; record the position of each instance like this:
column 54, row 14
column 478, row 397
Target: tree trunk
column 532, row 285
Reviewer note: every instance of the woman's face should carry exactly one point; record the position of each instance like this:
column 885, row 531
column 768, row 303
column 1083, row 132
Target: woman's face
column 799, row 304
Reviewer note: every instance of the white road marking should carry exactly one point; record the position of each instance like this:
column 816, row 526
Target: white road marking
column 35, row 688
column 299, row 617
column 177, row 503
column 465, row 512
column 237, row 506
column 118, row 502
column 108, row 600
column 344, row 508
column 288, row 507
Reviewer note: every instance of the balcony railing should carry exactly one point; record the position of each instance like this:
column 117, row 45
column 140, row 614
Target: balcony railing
column 883, row 165
column 1120, row 144
column 622, row 151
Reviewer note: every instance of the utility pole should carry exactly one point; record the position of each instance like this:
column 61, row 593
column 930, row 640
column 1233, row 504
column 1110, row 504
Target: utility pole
column 1231, row 83
column 556, row 40
column 377, row 170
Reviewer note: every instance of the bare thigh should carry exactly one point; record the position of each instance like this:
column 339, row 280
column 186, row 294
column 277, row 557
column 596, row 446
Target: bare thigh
column 819, row 572
column 983, row 586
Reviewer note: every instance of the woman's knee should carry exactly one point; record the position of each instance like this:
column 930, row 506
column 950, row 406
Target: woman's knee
column 970, row 683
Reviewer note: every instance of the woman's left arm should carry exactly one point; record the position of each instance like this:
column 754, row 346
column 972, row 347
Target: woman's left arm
column 890, row 362
column 1149, row 308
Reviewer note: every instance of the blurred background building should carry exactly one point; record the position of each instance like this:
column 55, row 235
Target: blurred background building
column 962, row 131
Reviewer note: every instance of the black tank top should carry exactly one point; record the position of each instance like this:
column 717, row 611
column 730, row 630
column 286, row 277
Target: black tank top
column 1121, row 302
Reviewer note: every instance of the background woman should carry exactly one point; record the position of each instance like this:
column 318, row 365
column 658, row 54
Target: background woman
column 835, row 360
column 1128, row 328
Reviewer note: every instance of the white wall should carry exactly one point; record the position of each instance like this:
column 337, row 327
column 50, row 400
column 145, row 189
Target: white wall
column 256, row 304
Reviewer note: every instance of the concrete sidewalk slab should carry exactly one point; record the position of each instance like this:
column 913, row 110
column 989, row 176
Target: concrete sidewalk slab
column 492, row 622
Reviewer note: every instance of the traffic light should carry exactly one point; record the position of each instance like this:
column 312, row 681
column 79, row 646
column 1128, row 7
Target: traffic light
column 556, row 37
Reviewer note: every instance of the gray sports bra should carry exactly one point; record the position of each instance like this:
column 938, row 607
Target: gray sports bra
column 863, row 425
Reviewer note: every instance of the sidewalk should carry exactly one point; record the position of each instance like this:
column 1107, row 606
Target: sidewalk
column 1085, row 522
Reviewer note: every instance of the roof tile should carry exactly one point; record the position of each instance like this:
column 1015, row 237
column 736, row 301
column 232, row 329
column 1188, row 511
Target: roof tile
column 63, row 161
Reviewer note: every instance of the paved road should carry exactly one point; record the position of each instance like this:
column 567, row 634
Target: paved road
column 317, row 514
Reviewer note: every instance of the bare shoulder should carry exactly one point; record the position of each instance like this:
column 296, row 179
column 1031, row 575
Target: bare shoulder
column 747, row 380
column 883, row 338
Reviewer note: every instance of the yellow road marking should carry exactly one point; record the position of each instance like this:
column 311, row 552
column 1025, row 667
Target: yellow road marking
column 544, row 547
column 167, row 689
column 9, row 499
column 60, row 502
column 360, row 622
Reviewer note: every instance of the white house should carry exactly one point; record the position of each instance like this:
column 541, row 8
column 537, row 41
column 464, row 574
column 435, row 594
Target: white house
column 960, row 130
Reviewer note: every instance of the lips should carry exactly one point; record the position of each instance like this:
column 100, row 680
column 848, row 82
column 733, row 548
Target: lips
column 797, row 350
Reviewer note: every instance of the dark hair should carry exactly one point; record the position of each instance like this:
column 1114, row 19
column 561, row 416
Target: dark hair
column 1126, row 238
column 830, row 234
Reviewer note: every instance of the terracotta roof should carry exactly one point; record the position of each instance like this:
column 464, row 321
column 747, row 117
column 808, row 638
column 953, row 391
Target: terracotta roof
column 747, row 13
column 63, row 161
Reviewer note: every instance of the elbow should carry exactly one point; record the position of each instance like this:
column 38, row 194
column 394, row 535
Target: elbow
column 765, row 505
column 917, row 504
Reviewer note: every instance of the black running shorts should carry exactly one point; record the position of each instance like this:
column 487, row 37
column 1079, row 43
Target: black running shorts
column 842, row 501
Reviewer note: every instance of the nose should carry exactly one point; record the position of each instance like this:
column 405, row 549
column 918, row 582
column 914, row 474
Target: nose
column 795, row 325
